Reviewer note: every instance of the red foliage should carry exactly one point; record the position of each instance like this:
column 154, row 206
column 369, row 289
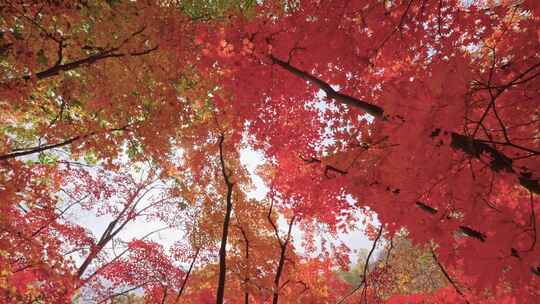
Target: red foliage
column 449, row 150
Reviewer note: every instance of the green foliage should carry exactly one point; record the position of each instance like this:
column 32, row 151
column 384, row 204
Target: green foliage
column 47, row 158
column 354, row 275
column 42, row 58
column 215, row 9
column 129, row 298
column 409, row 269
column 91, row 158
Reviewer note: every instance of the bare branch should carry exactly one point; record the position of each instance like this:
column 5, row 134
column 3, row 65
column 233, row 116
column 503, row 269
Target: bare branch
column 186, row 277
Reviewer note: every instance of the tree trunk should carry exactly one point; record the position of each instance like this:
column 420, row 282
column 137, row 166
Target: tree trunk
column 223, row 250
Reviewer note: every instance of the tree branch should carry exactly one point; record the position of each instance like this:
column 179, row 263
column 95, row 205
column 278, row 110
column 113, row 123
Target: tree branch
column 55, row 70
column 447, row 276
column 184, row 282
column 499, row 161
column 364, row 284
column 466, row 144
column 281, row 264
column 42, row 148
column 330, row 92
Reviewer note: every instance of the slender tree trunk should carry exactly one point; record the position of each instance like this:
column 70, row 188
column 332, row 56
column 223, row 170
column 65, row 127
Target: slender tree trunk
column 246, row 278
column 282, row 254
column 114, row 227
column 281, row 264
column 447, row 276
column 364, row 283
column 226, row 222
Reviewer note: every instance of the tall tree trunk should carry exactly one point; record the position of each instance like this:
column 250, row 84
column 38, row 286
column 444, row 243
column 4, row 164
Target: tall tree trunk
column 281, row 264
column 223, row 250
column 246, row 278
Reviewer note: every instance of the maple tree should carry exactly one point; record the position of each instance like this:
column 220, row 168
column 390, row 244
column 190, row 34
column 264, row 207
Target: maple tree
column 420, row 113
column 459, row 94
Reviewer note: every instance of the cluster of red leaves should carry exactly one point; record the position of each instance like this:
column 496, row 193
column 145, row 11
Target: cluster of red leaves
column 453, row 158
column 449, row 153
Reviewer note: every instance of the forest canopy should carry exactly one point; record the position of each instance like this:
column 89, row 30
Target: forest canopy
column 218, row 151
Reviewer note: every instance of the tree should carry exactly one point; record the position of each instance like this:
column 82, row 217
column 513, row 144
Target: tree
column 420, row 113
column 76, row 83
column 442, row 81
column 75, row 93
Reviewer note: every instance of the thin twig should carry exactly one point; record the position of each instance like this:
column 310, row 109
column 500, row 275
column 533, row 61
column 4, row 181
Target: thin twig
column 447, row 276
column 364, row 284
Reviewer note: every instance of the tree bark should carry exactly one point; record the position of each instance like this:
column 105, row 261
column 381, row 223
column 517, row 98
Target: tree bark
column 223, row 249
column 55, row 70
column 330, row 92
column 281, row 263
column 246, row 278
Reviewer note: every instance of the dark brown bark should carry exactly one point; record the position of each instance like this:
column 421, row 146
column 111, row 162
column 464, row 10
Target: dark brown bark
column 472, row 147
column 226, row 222
column 281, row 263
column 97, row 271
column 327, row 168
column 125, row 292
column 498, row 161
column 426, row 208
column 106, row 237
column 473, row 233
column 111, row 52
column 330, row 92
column 246, row 278
column 447, row 276
column 114, row 227
column 42, row 148
column 364, row 283
column 468, row 231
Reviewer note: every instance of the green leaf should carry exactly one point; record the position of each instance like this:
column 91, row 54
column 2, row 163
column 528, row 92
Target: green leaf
column 90, row 158
column 41, row 58
column 47, row 158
